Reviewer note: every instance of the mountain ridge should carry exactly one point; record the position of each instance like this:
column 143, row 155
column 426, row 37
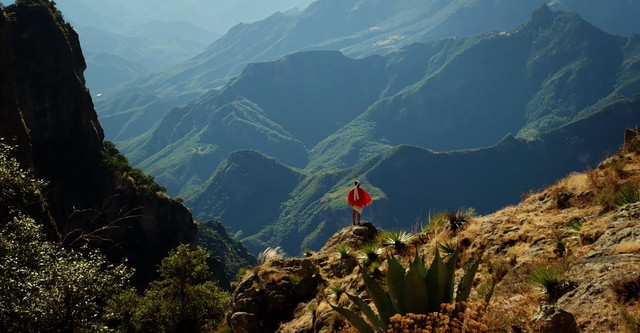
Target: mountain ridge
column 226, row 57
column 320, row 109
column 407, row 21
column 435, row 181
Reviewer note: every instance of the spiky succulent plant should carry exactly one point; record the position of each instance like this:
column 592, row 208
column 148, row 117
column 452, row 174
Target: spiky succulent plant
column 416, row 290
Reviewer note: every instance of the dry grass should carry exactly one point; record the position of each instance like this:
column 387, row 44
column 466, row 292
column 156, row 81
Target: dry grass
column 473, row 320
column 631, row 316
column 576, row 212
column 627, row 293
column 627, row 289
column 626, row 247
column 611, row 177
column 270, row 254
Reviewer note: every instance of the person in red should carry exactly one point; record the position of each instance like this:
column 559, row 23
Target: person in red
column 358, row 198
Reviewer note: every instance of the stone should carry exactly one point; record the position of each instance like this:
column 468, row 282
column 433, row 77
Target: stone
column 242, row 322
column 554, row 320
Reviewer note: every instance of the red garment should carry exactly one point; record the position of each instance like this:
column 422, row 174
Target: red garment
column 363, row 197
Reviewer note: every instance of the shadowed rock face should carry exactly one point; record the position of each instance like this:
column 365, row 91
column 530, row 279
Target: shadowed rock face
column 265, row 298
column 280, row 290
column 47, row 112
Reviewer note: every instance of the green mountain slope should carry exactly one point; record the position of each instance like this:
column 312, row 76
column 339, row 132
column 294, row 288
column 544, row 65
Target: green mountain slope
column 187, row 147
column 245, row 192
column 535, row 78
column 356, row 27
column 279, row 108
column 408, row 182
column 320, row 109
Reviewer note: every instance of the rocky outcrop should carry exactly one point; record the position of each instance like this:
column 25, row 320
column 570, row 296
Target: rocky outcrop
column 264, row 298
column 47, row 111
column 589, row 248
column 287, row 295
column 553, row 320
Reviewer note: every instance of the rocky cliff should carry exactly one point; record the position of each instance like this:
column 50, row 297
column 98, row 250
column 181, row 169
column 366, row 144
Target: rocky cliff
column 565, row 259
column 47, row 111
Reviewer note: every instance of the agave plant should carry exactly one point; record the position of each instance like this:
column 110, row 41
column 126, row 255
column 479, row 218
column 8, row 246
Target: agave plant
column 344, row 251
column 336, row 291
column 396, row 239
column 369, row 254
column 629, row 193
column 417, row 290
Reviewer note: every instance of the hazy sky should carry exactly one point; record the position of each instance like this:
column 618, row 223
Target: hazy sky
column 213, row 15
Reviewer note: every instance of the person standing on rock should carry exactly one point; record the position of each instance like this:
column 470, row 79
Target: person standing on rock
column 358, row 198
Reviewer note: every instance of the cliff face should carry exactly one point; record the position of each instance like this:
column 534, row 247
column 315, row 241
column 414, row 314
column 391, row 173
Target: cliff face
column 47, row 112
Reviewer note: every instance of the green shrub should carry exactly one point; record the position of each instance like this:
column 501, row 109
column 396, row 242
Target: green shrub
column 183, row 300
column 546, row 277
column 336, row 291
column 117, row 162
column 43, row 286
column 435, row 221
column 242, row 272
column 627, row 194
column 458, row 218
column 369, row 254
column 451, row 220
column 46, row 288
column 448, row 247
column 19, row 189
column 551, row 280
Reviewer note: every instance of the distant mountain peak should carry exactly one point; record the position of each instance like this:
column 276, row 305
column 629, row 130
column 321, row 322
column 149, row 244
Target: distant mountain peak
column 543, row 13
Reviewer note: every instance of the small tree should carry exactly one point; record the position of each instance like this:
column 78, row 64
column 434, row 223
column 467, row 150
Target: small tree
column 184, row 300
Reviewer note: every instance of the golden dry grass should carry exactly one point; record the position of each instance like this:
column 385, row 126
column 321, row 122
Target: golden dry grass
column 626, row 247
column 575, row 212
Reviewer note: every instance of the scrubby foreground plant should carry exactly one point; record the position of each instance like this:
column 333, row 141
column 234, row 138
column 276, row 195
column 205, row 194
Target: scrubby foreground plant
column 417, row 290
column 474, row 319
column 183, row 300
column 43, row 286
column 46, row 288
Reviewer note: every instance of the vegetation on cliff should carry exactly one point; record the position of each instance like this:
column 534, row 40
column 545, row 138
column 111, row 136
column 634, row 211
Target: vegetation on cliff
column 45, row 287
column 143, row 183
column 49, row 288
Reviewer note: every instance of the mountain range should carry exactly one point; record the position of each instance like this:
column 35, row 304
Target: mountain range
column 283, row 206
column 285, row 137
column 123, row 39
column 357, row 28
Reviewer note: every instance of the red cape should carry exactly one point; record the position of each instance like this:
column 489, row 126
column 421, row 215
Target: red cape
column 363, row 198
